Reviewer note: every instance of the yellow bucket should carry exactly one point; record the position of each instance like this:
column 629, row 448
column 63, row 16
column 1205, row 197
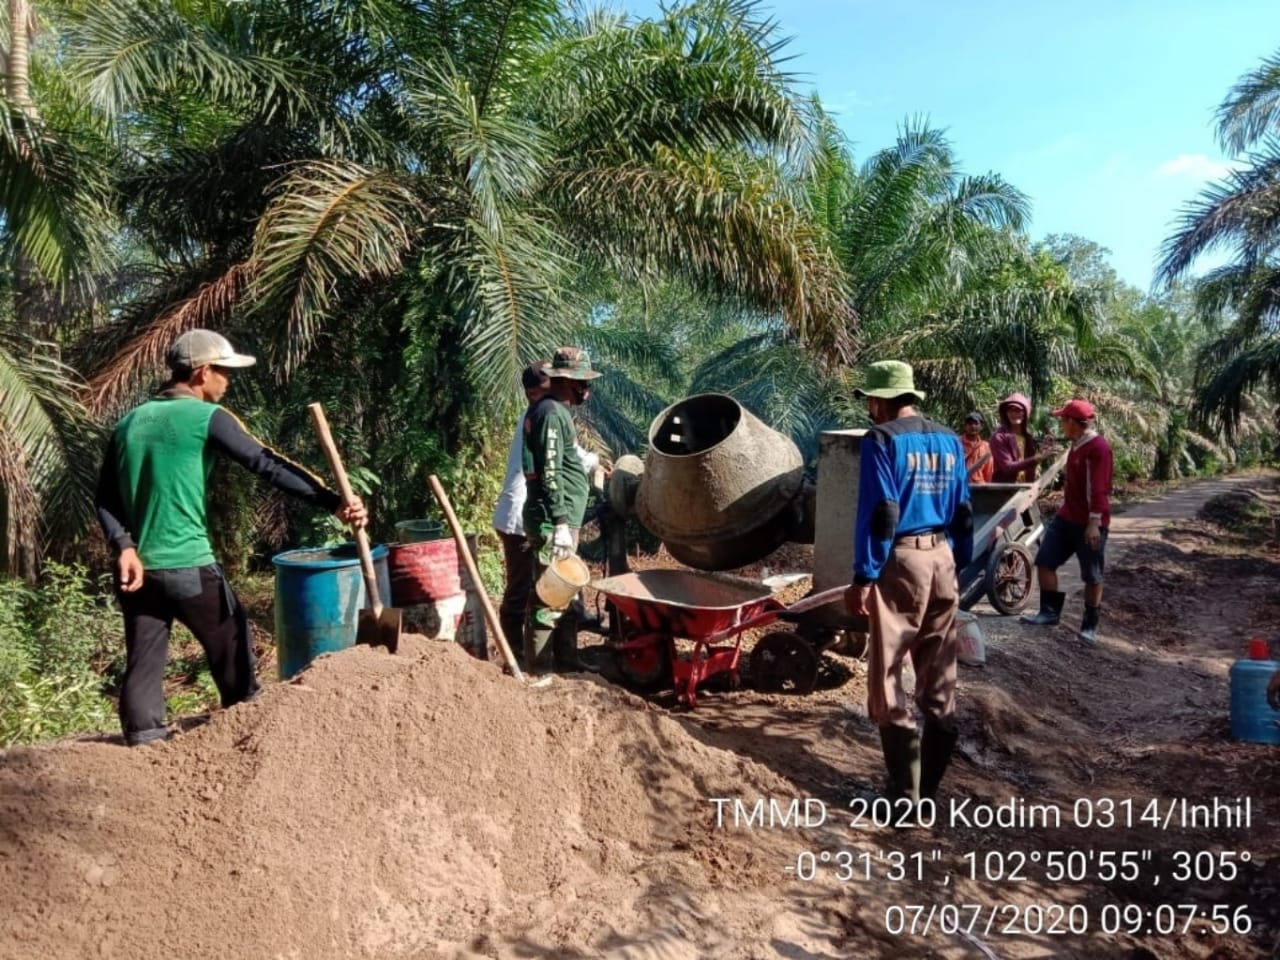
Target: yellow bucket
column 561, row 581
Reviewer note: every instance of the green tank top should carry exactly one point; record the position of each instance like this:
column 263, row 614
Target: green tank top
column 163, row 463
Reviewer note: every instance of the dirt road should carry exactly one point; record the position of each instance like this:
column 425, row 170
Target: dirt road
column 1120, row 735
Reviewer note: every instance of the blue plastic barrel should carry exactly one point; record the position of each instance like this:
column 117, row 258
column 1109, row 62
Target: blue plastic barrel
column 1252, row 718
column 319, row 595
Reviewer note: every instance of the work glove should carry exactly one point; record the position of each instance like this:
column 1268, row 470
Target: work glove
column 562, row 541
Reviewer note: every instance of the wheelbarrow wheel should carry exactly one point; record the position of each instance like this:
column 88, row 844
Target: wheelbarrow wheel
column 1010, row 573
column 646, row 666
column 783, row 662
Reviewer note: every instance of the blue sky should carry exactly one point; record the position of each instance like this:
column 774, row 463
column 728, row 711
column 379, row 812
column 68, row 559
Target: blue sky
column 1102, row 112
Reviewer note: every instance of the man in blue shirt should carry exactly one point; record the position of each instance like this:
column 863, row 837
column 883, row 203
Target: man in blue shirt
column 914, row 529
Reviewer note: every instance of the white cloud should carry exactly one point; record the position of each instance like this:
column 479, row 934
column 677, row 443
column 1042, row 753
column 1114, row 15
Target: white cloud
column 1195, row 166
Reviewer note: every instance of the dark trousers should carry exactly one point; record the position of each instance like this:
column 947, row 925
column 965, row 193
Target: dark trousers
column 551, row 636
column 517, row 557
column 201, row 600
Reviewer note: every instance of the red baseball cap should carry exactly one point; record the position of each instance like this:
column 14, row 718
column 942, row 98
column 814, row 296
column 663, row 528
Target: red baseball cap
column 1076, row 410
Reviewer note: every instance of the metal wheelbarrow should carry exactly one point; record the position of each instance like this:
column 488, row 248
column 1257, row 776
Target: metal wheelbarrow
column 655, row 607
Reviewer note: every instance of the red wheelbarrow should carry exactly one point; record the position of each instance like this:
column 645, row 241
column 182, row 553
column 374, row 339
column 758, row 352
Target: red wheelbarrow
column 655, row 607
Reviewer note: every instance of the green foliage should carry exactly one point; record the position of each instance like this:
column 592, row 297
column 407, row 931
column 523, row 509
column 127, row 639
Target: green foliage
column 55, row 638
column 1238, row 370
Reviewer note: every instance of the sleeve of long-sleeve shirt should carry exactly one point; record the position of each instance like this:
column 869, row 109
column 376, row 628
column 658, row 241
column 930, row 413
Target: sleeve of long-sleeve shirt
column 1098, row 479
column 961, row 528
column 985, row 472
column 550, row 430
column 228, row 436
column 877, row 511
column 109, row 504
column 589, row 460
column 1004, row 453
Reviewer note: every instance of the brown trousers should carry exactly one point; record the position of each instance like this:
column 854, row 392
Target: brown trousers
column 913, row 606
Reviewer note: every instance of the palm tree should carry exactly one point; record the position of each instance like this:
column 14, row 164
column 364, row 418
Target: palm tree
column 912, row 231
column 397, row 196
column 488, row 150
column 941, row 274
column 1238, row 214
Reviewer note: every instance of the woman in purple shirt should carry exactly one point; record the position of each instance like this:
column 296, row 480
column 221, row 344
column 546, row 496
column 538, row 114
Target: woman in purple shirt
column 1013, row 449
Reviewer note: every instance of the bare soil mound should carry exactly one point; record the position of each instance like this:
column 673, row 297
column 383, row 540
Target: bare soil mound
column 420, row 805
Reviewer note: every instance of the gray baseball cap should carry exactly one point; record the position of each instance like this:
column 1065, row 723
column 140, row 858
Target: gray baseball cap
column 198, row 348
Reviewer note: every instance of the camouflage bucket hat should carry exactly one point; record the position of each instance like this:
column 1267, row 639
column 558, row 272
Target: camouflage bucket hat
column 572, row 364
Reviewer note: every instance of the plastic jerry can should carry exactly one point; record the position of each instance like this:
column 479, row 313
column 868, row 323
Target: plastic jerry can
column 1252, row 719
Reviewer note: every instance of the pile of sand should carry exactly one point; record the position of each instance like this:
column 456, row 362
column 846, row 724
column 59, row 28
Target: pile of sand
column 421, row 805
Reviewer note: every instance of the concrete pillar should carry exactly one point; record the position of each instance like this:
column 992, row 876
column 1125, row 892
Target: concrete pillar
column 839, row 460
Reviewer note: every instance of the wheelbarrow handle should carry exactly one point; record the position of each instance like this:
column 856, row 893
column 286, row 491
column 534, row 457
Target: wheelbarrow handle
column 776, row 611
column 348, row 497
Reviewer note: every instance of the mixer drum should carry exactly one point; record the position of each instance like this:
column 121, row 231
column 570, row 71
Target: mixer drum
column 720, row 488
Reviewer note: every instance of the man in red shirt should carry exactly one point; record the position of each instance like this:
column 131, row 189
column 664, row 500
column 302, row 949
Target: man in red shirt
column 1081, row 523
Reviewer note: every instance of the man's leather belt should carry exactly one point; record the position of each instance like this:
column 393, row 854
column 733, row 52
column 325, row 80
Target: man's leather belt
column 922, row 541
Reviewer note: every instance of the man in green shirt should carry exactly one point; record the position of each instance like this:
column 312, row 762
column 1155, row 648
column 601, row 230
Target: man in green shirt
column 151, row 506
column 557, row 488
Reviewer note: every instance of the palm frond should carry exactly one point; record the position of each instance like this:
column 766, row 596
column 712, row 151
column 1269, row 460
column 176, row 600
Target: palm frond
column 500, row 157
column 724, row 230
column 1251, row 110
column 329, row 221
column 510, row 285
column 701, row 76
column 46, row 472
column 131, row 52
column 1241, row 211
column 52, row 199
column 1228, row 373
column 141, row 351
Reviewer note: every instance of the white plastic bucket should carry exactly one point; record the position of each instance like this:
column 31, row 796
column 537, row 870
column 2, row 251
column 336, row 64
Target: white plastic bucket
column 970, row 648
column 561, row 581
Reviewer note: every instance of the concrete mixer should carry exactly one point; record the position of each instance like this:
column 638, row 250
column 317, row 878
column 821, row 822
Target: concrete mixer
column 721, row 489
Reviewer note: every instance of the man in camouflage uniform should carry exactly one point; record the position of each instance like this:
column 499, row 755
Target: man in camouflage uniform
column 557, row 488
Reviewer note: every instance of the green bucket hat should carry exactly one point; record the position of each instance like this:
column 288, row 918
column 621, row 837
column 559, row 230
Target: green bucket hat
column 888, row 379
column 572, row 364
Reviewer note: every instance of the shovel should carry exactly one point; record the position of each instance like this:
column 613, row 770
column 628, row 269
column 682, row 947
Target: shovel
column 377, row 626
column 490, row 614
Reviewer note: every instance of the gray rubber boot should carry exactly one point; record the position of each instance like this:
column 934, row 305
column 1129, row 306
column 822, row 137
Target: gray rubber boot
column 1051, row 602
column 1089, row 625
column 936, row 746
column 901, row 748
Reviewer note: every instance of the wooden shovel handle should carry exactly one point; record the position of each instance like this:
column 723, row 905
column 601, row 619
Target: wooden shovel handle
column 348, row 497
column 477, row 584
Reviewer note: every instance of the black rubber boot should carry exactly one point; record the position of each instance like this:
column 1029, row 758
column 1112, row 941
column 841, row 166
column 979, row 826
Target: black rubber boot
column 513, row 630
column 1051, row 602
column 564, row 644
column 538, row 654
column 1089, row 625
column 901, row 748
column 936, row 746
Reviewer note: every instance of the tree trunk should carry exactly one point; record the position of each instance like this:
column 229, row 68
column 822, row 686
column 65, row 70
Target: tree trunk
column 17, row 84
column 22, row 539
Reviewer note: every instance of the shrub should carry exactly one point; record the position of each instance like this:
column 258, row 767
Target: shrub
column 55, row 639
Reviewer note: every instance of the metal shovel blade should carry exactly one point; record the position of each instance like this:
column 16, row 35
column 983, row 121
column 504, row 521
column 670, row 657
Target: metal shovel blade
column 379, row 628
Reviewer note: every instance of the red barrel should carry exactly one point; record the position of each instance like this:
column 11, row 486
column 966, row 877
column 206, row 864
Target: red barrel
column 426, row 572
